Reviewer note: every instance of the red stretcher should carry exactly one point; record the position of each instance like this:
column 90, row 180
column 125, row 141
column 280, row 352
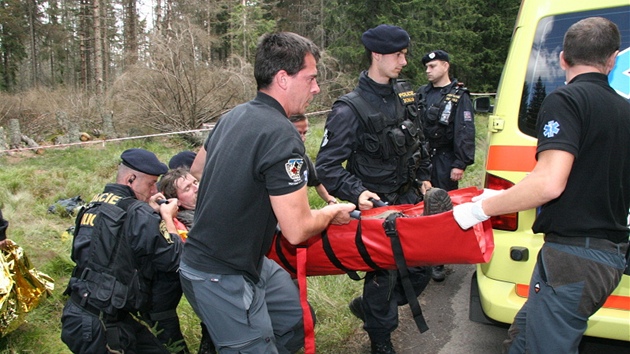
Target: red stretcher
column 363, row 245
column 390, row 237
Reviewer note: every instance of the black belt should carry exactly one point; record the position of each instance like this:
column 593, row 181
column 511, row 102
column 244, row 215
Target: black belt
column 440, row 149
column 600, row 244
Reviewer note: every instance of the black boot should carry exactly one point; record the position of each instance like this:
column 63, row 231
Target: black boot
column 356, row 307
column 382, row 347
column 438, row 273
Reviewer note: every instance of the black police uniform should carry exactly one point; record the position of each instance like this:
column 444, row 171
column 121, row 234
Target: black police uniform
column 85, row 328
column 451, row 135
column 346, row 139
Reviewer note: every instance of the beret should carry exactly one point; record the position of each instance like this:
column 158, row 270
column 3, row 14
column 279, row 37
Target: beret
column 435, row 55
column 182, row 159
column 385, row 39
column 143, row 161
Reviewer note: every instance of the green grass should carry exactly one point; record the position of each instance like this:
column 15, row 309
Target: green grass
column 30, row 183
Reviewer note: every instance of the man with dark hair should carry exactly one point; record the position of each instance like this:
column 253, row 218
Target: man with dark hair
column 586, row 234
column 376, row 130
column 449, row 126
column 121, row 240
column 253, row 181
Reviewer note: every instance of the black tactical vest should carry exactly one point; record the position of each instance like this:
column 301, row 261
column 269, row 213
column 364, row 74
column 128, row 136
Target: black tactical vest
column 111, row 280
column 438, row 117
column 386, row 153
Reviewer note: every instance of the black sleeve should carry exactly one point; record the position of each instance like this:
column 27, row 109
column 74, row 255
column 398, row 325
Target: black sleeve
column 335, row 150
column 464, row 134
column 312, row 181
column 149, row 238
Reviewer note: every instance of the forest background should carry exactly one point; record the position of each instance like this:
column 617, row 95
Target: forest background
column 173, row 65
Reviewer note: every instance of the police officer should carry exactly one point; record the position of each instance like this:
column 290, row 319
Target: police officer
column 98, row 316
column 449, row 126
column 376, row 130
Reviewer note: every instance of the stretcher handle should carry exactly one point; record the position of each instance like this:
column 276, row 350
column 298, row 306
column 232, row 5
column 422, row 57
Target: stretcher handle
column 356, row 214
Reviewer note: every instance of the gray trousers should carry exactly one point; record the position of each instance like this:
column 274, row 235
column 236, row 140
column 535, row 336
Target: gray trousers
column 243, row 317
column 568, row 285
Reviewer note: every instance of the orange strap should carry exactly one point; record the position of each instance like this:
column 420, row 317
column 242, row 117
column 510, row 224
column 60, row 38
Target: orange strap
column 309, row 330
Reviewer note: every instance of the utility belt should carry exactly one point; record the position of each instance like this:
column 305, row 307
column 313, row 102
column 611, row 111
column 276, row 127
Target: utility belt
column 440, row 150
column 82, row 303
column 600, row 244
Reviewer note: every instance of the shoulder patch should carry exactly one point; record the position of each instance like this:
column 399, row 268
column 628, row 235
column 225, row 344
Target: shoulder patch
column 293, row 168
column 551, row 129
column 325, row 138
column 165, row 233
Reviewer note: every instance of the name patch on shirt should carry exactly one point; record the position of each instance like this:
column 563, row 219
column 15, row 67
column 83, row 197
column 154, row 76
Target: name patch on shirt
column 293, row 168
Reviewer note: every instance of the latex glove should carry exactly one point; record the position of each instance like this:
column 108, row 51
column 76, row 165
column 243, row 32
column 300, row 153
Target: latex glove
column 468, row 215
column 487, row 193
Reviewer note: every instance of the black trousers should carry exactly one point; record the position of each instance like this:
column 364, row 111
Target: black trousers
column 383, row 291
column 166, row 293
column 84, row 332
column 441, row 166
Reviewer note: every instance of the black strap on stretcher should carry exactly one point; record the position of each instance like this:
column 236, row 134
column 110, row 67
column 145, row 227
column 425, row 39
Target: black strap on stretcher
column 390, row 230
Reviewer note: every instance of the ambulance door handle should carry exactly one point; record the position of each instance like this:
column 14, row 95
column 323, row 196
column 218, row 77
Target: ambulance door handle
column 495, row 124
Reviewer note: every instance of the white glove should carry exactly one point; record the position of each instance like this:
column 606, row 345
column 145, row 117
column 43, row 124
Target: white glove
column 487, row 193
column 468, row 215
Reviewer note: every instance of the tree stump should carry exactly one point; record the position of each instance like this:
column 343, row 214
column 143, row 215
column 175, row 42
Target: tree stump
column 15, row 137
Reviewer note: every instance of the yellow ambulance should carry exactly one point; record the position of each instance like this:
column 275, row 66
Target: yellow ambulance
column 499, row 287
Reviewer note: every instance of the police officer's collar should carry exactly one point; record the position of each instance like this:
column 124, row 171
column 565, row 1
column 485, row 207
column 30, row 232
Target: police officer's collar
column 382, row 90
column 120, row 190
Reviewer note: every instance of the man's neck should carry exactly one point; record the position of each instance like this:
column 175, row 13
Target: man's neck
column 373, row 74
column 444, row 81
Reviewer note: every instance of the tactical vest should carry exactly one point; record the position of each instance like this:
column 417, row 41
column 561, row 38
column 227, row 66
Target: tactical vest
column 438, row 117
column 111, row 280
column 386, row 154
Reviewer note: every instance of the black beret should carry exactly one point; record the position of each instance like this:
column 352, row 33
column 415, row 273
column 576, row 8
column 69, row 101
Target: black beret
column 435, row 55
column 182, row 159
column 143, row 161
column 385, row 39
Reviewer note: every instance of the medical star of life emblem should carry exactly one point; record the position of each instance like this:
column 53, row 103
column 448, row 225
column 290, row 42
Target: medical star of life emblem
column 551, row 129
column 293, row 167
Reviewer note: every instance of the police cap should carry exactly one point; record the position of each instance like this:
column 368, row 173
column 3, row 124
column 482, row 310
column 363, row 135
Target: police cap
column 385, row 39
column 143, row 161
column 182, row 159
column 435, row 55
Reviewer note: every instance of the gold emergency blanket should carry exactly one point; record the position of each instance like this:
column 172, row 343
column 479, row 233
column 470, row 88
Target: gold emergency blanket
column 21, row 287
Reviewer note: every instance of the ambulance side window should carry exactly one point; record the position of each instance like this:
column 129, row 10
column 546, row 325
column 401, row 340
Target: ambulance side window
column 544, row 73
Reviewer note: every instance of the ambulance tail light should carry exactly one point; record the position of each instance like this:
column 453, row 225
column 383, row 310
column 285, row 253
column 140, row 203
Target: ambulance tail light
column 507, row 222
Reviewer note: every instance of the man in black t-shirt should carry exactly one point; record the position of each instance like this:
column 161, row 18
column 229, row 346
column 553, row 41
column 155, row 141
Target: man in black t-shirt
column 252, row 181
column 583, row 191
